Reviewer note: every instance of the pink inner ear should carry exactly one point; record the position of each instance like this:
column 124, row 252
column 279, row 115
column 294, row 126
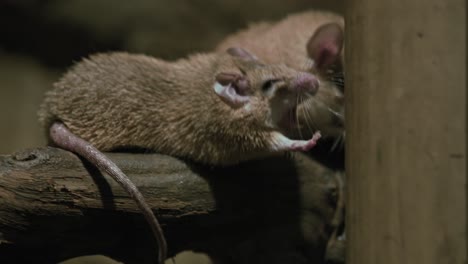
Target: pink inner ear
column 239, row 82
column 229, row 95
column 231, row 88
column 324, row 47
column 225, row 78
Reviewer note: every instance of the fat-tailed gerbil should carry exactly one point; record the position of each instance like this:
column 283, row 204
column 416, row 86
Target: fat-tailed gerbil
column 310, row 41
column 218, row 109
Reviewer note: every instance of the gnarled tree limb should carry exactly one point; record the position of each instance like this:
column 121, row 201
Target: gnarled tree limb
column 54, row 206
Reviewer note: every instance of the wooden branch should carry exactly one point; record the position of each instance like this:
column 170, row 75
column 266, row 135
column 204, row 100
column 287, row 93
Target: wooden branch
column 54, row 206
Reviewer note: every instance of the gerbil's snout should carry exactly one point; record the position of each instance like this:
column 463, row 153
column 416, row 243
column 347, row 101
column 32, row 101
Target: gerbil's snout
column 304, row 83
column 294, row 89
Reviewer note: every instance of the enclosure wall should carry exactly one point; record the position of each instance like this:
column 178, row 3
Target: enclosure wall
column 406, row 131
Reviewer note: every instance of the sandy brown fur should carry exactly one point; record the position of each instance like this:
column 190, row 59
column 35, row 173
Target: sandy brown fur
column 123, row 100
column 285, row 42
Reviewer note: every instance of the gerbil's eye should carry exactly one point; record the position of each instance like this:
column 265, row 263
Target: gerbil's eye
column 338, row 80
column 337, row 77
column 268, row 84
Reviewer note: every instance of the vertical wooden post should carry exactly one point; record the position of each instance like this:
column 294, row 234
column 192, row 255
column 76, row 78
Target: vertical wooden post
column 406, row 131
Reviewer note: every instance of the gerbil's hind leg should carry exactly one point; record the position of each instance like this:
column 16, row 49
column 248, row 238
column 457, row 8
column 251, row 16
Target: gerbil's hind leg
column 282, row 143
column 65, row 139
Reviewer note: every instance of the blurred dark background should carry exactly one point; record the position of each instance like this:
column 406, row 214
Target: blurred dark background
column 39, row 39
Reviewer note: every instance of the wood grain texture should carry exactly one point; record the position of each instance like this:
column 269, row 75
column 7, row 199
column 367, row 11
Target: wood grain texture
column 406, row 131
column 53, row 206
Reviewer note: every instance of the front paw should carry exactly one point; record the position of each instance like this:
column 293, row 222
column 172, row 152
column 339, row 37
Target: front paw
column 305, row 145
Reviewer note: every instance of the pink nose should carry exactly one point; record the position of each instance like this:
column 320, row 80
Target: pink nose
column 305, row 83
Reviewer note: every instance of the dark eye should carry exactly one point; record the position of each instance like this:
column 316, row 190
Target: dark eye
column 338, row 80
column 268, row 84
column 336, row 75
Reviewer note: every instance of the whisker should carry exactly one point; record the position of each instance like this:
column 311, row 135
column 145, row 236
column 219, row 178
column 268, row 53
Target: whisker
column 343, row 139
column 328, row 108
column 335, row 144
column 297, row 118
column 334, row 112
column 311, row 126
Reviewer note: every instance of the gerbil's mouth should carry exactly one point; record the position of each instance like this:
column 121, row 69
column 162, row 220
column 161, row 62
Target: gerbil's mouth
column 289, row 119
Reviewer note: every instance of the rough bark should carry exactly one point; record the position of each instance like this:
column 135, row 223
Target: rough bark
column 54, row 206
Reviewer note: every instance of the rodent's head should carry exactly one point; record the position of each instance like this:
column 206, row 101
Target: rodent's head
column 268, row 94
column 325, row 111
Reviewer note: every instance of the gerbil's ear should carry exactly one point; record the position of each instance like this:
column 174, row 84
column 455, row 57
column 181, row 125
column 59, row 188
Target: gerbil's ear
column 324, row 47
column 241, row 53
column 231, row 88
